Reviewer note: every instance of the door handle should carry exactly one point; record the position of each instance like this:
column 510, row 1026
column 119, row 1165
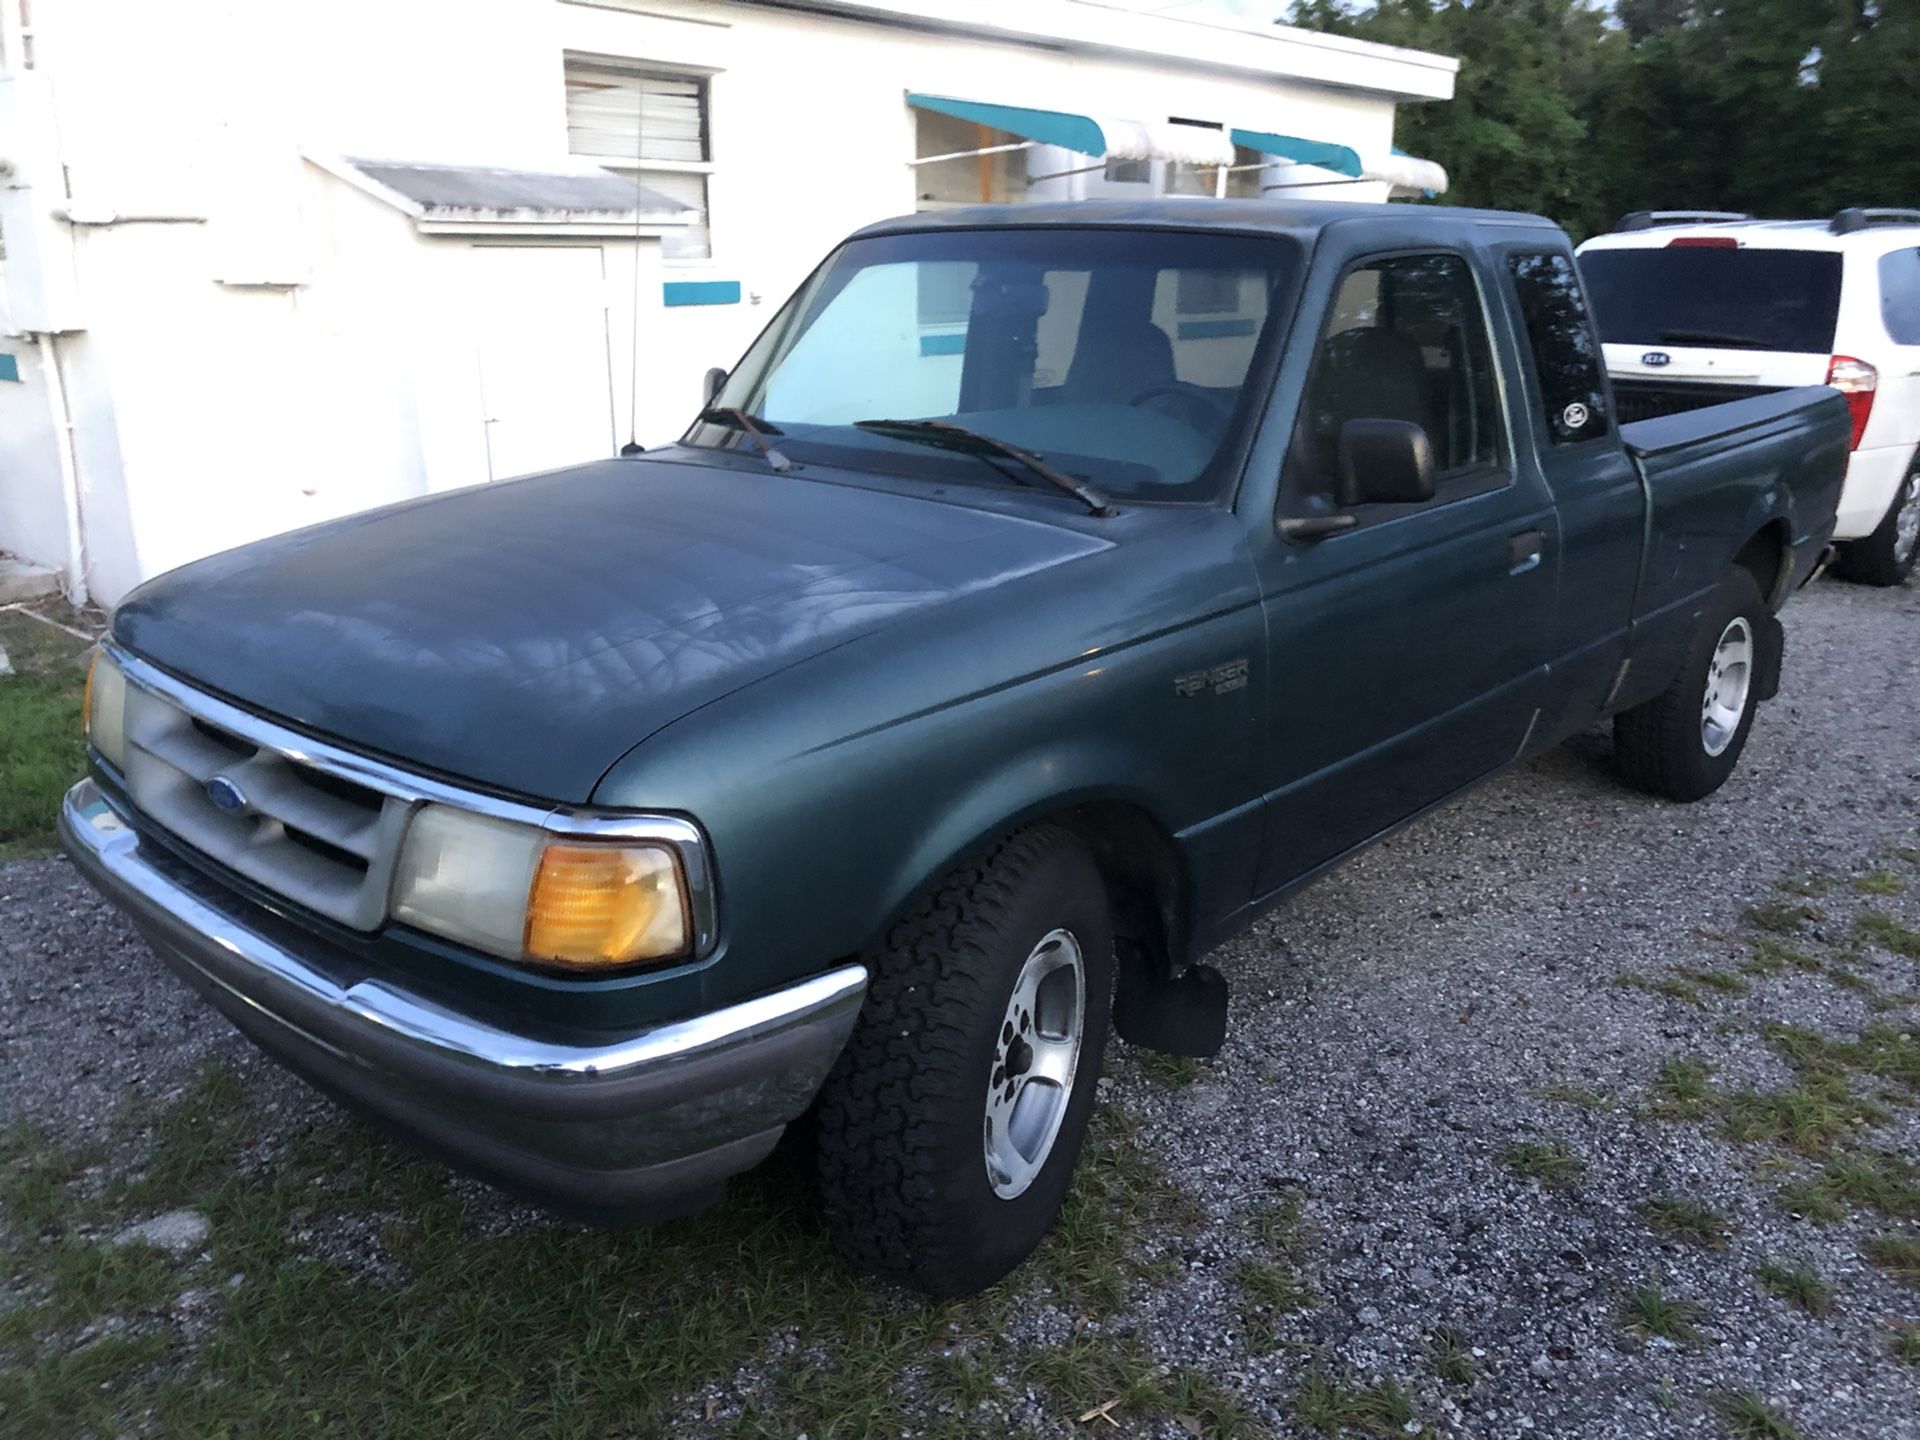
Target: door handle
column 1525, row 550
column 1316, row 527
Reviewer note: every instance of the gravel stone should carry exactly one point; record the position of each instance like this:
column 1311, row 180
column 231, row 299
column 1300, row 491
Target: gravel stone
column 178, row 1231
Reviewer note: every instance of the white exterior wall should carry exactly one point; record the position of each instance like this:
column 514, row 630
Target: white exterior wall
column 303, row 351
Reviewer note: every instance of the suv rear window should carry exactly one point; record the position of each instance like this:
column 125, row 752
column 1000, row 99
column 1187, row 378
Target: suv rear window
column 1721, row 299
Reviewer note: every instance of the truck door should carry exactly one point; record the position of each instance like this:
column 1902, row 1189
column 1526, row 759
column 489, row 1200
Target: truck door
column 1404, row 651
column 1595, row 487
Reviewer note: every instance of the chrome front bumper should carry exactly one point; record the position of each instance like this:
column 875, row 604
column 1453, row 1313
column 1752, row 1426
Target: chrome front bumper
column 633, row 1127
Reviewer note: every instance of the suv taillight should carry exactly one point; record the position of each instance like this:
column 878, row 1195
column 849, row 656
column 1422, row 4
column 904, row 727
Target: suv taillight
column 1856, row 380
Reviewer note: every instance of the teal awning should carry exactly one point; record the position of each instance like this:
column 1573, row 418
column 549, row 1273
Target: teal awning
column 1049, row 127
column 1338, row 158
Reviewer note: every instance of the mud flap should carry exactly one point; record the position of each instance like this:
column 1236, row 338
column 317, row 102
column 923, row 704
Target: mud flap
column 1772, row 644
column 1184, row 1016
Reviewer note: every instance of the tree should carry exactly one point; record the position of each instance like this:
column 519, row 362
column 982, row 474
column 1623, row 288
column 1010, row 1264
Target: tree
column 1581, row 111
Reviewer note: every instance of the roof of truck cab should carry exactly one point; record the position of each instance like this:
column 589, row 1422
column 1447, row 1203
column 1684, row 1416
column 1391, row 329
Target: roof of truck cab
column 1278, row 216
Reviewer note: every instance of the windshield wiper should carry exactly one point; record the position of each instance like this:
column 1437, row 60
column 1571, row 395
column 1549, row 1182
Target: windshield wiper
column 755, row 430
column 1714, row 337
column 947, row 435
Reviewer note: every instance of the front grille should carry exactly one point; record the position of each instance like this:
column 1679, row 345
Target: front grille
column 1645, row 400
column 318, row 839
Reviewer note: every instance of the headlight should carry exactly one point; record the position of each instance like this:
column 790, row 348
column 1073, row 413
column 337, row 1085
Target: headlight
column 527, row 894
column 105, row 706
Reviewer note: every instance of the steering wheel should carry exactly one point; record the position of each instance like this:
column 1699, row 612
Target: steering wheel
column 1206, row 414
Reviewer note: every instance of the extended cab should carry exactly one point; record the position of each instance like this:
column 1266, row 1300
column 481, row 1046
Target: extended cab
column 1047, row 593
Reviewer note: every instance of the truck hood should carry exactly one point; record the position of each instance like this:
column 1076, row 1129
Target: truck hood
column 524, row 636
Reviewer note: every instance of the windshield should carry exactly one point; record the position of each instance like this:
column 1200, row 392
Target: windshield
column 1127, row 359
column 1719, row 298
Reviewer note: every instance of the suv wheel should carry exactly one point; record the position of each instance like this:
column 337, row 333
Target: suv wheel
column 1887, row 556
column 949, row 1128
column 1684, row 742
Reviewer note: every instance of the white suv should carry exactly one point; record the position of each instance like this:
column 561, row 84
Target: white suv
column 1699, row 307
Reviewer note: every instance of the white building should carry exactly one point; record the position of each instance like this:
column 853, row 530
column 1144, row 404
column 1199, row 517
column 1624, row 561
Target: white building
column 266, row 264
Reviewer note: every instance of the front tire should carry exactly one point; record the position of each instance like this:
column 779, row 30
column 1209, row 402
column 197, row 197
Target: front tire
column 1684, row 742
column 1888, row 555
column 950, row 1126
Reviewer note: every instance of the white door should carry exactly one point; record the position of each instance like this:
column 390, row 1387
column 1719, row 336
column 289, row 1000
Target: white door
column 546, row 382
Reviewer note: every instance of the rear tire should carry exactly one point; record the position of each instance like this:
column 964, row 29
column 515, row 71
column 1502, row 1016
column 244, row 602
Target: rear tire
column 1887, row 556
column 1684, row 742
column 950, row 1126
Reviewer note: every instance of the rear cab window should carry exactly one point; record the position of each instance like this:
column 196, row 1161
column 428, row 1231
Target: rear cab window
column 1567, row 362
column 1720, row 297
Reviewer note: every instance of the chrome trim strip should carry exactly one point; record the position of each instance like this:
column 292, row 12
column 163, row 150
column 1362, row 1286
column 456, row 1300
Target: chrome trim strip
column 110, row 848
column 686, row 838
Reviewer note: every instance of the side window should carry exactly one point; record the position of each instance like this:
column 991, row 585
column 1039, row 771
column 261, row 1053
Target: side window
column 1900, row 295
column 1406, row 339
column 1566, row 347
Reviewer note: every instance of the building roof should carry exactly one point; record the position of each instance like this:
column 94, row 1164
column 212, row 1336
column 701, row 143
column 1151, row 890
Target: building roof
column 1184, row 38
column 569, row 196
column 465, row 189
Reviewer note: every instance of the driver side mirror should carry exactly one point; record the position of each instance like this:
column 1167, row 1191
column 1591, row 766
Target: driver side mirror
column 716, row 382
column 1384, row 462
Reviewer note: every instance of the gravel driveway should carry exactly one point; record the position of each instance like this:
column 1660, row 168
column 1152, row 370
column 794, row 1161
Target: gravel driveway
column 1490, row 978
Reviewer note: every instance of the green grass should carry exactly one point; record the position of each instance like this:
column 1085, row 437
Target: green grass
column 1175, row 1072
column 1114, row 1383
column 1681, row 1090
column 1898, row 1255
column 1345, row 1407
column 1797, row 1284
column 1649, row 1310
column 1684, row 1218
column 1808, row 1119
column 1748, row 1417
column 1810, row 888
column 1725, row 981
column 1879, row 882
column 1452, row 1358
column 1781, row 917
column 1876, row 928
column 466, row 1326
column 42, row 747
column 1544, row 1160
column 1773, row 957
column 1906, row 1344
column 1812, row 1201
column 1270, row 1283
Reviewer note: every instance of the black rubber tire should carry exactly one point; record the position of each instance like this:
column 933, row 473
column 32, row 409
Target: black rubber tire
column 1657, row 746
column 1877, row 559
column 902, row 1164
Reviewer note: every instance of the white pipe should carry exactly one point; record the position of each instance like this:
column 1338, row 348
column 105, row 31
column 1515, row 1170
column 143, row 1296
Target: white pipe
column 969, row 154
column 62, row 416
column 106, row 215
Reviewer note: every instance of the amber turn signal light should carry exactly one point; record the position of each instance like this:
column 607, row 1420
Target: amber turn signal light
column 602, row 905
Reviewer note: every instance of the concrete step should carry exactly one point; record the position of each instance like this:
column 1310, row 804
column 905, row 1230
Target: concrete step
column 22, row 581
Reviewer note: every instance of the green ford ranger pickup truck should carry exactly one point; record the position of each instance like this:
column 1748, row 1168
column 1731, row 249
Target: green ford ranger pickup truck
column 1048, row 592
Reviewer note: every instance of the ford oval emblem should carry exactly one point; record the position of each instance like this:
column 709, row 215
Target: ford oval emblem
column 227, row 797
column 1656, row 358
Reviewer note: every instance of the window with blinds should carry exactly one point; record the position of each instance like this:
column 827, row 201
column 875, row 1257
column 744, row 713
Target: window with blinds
column 651, row 125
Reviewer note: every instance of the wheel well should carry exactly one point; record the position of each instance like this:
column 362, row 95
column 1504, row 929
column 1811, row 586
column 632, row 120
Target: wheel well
column 1145, row 879
column 1766, row 558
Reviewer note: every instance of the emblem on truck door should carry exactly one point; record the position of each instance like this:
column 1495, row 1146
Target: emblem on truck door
column 1222, row 679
